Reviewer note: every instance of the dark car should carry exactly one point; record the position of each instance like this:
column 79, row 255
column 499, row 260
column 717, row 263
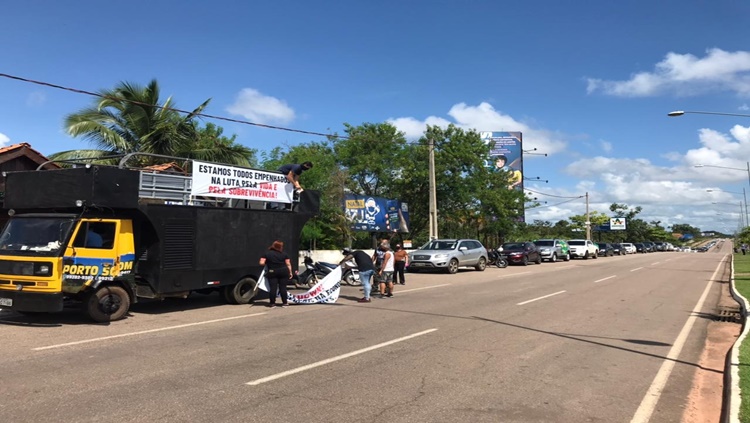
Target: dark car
column 619, row 249
column 521, row 253
column 640, row 248
column 605, row 249
column 650, row 248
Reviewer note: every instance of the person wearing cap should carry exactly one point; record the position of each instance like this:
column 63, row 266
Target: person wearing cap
column 366, row 269
column 402, row 260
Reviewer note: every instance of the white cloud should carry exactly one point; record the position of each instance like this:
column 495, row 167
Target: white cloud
column 744, row 107
column 258, row 108
column 684, row 74
column 483, row 117
column 35, row 99
column 606, row 146
column 4, row 140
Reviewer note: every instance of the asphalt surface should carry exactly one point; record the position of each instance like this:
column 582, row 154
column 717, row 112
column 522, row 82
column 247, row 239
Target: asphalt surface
column 614, row 339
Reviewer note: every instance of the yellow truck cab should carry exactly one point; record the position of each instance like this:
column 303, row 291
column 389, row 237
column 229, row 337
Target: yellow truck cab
column 105, row 236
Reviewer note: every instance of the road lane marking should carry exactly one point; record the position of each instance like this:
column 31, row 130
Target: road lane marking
column 648, row 404
column 654, row 264
column 540, row 298
column 402, row 291
column 565, row 267
column 637, row 268
column 604, row 279
column 337, row 358
column 123, row 335
column 513, row 274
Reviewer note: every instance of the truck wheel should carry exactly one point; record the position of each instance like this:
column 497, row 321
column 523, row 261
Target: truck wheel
column 586, row 255
column 525, row 261
column 538, row 259
column 107, row 304
column 553, row 259
column 453, row 266
column 482, row 264
column 567, row 257
column 242, row 292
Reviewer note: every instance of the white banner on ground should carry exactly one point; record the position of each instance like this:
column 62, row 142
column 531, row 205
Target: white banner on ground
column 325, row 291
column 215, row 180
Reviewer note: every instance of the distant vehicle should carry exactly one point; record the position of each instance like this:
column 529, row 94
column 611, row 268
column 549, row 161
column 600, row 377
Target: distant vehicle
column 619, row 249
column 553, row 249
column 449, row 255
column 583, row 248
column 521, row 253
column 629, row 247
column 650, row 248
column 640, row 247
column 606, row 249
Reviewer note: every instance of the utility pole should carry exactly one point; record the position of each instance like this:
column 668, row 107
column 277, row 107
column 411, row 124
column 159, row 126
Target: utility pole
column 588, row 221
column 747, row 216
column 433, row 193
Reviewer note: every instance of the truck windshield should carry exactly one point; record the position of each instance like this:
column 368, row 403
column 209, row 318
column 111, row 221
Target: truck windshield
column 37, row 236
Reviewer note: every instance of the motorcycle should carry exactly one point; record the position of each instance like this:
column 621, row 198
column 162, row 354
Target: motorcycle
column 349, row 274
column 308, row 277
column 496, row 258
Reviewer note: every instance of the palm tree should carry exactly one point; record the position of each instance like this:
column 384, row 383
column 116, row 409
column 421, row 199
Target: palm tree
column 130, row 118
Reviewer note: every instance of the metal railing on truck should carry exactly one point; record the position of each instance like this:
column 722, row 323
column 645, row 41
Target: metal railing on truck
column 171, row 187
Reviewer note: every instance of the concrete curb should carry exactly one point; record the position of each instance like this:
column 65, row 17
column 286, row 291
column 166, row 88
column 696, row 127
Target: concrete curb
column 732, row 396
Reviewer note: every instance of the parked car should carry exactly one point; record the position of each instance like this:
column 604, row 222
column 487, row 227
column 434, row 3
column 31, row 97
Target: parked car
column 629, row 247
column 606, row 249
column 449, row 255
column 521, row 253
column 619, row 249
column 650, row 247
column 640, row 247
column 553, row 249
column 583, row 248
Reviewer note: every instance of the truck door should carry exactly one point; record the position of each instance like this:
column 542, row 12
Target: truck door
column 100, row 250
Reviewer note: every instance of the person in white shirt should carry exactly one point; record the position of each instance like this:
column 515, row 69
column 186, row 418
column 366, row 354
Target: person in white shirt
column 386, row 272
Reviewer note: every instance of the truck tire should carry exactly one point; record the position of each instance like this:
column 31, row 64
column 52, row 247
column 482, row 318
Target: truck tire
column 240, row 293
column 567, row 257
column 586, row 255
column 107, row 304
column 553, row 259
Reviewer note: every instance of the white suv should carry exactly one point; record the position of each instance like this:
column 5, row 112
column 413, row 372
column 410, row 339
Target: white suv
column 629, row 247
column 583, row 248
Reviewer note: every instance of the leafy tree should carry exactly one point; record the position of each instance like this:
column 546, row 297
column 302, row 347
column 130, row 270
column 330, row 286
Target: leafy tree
column 131, row 118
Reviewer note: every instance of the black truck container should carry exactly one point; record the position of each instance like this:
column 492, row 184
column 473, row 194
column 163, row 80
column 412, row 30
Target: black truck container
column 158, row 240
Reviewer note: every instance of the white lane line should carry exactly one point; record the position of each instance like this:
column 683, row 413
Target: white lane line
column 337, row 358
column 123, row 335
column 637, row 268
column 648, row 404
column 654, row 264
column 513, row 274
column 565, row 267
column 604, row 279
column 540, row 298
column 402, row 291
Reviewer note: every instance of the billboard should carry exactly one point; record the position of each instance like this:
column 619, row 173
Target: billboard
column 617, row 223
column 376, row 214
column 506, row 154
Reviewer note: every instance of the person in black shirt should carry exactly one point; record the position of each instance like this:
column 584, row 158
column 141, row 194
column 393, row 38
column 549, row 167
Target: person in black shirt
column 366, row 269
column 293, row 172
column 279, row 271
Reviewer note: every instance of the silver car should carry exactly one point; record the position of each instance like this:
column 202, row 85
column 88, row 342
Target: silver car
column 449, row 255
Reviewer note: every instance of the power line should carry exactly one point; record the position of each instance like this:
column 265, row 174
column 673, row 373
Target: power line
column 245, row 122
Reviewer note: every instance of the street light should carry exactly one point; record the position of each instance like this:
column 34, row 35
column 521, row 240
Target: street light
column 747, row 215
column 742, row 222
column 682, row 112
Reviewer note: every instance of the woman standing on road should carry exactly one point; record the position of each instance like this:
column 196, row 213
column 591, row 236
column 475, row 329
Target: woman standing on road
column 278, row 272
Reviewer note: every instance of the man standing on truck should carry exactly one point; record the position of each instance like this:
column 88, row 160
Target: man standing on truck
column 293, row 172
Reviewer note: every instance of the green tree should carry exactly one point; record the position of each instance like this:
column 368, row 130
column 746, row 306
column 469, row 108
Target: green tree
column 131, row 118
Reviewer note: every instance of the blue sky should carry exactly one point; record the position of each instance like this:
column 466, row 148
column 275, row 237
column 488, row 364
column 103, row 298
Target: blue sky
column 588, row 83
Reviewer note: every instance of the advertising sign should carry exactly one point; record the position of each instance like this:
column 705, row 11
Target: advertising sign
column 376, row 214
column 506, row 154
column 216, row 180
column 617, row 224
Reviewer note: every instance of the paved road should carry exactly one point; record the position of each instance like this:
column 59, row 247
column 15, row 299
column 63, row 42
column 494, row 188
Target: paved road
column 608, row 340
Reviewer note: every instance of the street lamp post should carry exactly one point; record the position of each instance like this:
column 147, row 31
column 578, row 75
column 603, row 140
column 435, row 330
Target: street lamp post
column 683, row 112
column 744, row 194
